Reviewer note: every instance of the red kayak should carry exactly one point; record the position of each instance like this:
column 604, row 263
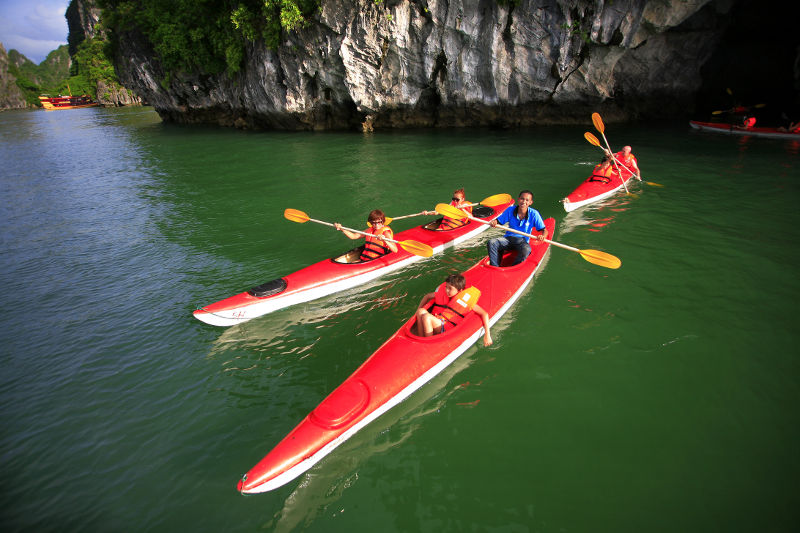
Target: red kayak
column 596, row 188
column 339, row 273
column 730, row 129
column 402, row 365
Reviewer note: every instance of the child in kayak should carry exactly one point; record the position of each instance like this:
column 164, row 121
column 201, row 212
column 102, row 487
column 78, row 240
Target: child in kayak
column 452, row 302
column 375, row 245
column 460, row 202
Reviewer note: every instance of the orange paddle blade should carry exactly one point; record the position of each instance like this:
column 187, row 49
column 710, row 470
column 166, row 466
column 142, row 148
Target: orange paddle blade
column 497, row 199
column 296, row 215
column 598, row 122
column 592, row 139
column 601, row 258
column 416, row 248
column 448, row 210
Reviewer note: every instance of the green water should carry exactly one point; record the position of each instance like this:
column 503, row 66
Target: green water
column 662, row 396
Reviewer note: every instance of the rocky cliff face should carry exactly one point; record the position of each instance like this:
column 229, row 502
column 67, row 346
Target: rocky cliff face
column 82, row 19
column 408, row 63
column 10, row 95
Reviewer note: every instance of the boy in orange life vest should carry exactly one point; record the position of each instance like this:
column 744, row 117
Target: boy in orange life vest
column 460, row 202
column 452, row 302
column 375, row 245
column 603, row 172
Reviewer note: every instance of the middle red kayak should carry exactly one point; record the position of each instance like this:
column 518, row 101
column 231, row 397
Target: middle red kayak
column 399, row 367
column 339, row 273
column 596, row 188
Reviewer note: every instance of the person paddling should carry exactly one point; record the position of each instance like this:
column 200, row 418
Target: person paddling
column 626, row 158
column 452, row 303
column 375, row 245
column 603, row 172
column 459, row 201
column 521, row 217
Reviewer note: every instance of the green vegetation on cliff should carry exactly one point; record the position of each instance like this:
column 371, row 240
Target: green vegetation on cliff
column 206, row 36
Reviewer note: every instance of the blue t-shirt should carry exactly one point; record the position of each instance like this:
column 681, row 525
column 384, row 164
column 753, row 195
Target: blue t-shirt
column 533, row 220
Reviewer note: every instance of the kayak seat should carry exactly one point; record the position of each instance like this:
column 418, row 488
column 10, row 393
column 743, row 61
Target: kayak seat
column 269, row 288
column 341, row 406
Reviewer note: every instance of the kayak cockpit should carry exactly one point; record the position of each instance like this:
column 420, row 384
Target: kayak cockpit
column 480, row 211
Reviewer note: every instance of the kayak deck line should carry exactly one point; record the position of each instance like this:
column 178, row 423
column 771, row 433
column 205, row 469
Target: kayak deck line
column 391, row 374
column 335, row 275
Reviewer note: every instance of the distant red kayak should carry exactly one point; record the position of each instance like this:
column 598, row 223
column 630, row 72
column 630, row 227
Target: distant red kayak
column 730, row 129
column 595, row 188
column 402, row 365
column 337, row 274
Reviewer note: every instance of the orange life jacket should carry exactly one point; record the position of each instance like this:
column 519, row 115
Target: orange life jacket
column 453, row 310
column 625, row 162
column 598, row 174
column 374, row 248
column 453, row 223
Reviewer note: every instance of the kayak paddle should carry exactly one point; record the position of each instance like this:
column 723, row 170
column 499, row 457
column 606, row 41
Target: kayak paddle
column 598, row 123
column 415, row 247
column 593, row 140
column 491, row 201
column 593, row 256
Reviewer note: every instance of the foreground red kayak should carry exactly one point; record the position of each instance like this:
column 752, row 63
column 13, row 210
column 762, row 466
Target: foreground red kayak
column 339, row 273
column 402, row 365
column 596, row 188
column 730, row 129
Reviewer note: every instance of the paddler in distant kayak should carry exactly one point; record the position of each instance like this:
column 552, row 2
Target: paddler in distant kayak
column 375, row 245
column 625, row 158
column 521, row 217
column 452, row 302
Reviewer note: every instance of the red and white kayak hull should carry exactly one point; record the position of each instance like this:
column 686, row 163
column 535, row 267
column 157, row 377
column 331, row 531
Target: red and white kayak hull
column 390, row 375
column 592, row 190
column 730, row 129
column 329, row 276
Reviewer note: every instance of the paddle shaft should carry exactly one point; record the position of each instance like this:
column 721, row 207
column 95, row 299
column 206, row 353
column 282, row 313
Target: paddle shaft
column 353, row 230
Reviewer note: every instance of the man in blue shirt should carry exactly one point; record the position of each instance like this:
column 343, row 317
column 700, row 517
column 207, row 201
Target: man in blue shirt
column 520, row 217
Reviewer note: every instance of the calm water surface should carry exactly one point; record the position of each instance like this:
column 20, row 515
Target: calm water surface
column 662, row 396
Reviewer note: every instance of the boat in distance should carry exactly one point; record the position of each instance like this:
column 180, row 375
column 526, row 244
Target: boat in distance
column 755, row 131
column 403, row 364
column 340, row 273
column 67, row 102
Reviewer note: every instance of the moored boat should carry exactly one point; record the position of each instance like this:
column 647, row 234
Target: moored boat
column 67, row 102
column 595, row 188
column 399, row 367
column 338, row 273
column 755, row 131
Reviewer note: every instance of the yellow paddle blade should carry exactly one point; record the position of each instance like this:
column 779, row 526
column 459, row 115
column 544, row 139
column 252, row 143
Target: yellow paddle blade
column 598, row 122
column 653, row 184
column 601, row 258
column 497, row 199
column 448, row 210
column 592, row 139
column 416, row 248
column 296, row 216
column 719, row 112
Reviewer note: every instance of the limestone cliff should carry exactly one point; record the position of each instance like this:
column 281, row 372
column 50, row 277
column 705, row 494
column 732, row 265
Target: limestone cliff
column 10, row 95
column 407, row 63
column 83, row 18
